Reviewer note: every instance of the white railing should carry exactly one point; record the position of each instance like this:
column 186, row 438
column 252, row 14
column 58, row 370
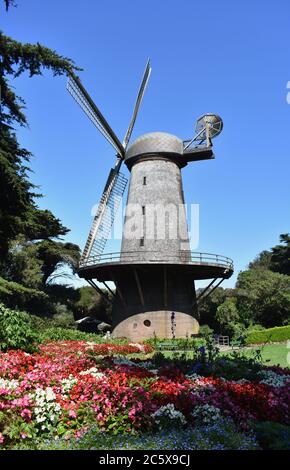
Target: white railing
column 185, row 257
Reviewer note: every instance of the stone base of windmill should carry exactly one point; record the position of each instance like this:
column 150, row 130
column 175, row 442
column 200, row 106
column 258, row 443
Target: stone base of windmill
column 161, row 324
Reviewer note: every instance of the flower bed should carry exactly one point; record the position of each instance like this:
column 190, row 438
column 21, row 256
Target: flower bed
column 68, row 386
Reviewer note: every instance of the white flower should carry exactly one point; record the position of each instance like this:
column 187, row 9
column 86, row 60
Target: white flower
column 168, row 411
column 207, row 413
column 9, row 384
column 94, row 372
column 50, row 395
column 40, row 419
column 269, row 377
column 47, row 409
column 67, row 384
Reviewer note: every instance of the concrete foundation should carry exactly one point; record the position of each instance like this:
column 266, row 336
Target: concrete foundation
column 163, row 324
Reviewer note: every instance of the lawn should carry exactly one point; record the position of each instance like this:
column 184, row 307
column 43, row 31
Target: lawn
column 272, row 354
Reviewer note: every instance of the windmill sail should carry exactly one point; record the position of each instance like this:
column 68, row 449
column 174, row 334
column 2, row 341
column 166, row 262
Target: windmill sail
column 116, row 182
column 105, row 214
column 140, row 95
column 81, row 96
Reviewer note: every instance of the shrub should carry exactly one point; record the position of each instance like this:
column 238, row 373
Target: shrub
column 39, row 323
column 16, row 331
column 65, row 334
column 56, row 333
column 63, row 318
column 178, row 343
column 256, row 327
column 205, row 330
column 277, row 334
column 273, row 436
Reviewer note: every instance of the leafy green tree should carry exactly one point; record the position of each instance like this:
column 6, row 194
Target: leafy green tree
column 207, row 307
column 91, row 303
column 34, row 264
column 54, row 256
column 228, row 318
column 263, row 297
column 280, row 260
column 262, row 261
column 277, row 259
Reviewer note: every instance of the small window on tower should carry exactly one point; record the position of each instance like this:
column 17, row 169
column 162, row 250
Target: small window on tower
column 144, row 180
column 142, row 241
column 143, row 210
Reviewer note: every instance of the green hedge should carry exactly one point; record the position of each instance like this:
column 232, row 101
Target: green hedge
column 65, row 334
column 177, row 343
column 277, row 334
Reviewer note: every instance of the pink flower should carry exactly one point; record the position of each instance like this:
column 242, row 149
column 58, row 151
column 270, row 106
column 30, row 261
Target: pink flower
column 26, row 413
column 72, row 414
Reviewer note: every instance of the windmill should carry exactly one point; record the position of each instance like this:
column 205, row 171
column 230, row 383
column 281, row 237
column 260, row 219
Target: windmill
column 154, row 274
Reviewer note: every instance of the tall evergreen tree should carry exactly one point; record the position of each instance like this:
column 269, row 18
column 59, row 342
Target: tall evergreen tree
column 19, row 213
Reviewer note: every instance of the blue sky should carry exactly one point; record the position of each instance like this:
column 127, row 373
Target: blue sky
column 231, row 58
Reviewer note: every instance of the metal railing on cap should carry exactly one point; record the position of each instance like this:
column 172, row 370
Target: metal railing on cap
column 186, row 257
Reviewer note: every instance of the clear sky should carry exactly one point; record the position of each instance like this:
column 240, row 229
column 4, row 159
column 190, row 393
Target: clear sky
column 227, row 57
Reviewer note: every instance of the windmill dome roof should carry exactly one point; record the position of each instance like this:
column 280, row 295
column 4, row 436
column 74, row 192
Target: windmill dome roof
column 155, row 142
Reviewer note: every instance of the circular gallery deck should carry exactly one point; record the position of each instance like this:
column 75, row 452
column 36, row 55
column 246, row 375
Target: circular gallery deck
column 109, row 266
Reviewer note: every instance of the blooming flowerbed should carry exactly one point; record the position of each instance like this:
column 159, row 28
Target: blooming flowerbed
column 67, row 387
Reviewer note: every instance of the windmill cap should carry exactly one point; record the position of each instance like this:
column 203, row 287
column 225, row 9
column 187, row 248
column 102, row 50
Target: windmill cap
column 155, row 142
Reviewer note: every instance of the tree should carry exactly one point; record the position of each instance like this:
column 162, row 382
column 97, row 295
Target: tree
column 263, row 297
column 277, row 259
column 29, row 254
column 18, row 211
column 208, row 307
column 9, row 3
column 262, row 261
column 34, row 264
column 91, row 303
column 17, row 58
column 280, row 260
column 228, row 318
column 54, row 255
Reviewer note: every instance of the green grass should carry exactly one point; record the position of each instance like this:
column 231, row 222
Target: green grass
column 272, row 354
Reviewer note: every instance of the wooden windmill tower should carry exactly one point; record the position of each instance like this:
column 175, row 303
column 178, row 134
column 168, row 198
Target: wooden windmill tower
column 155, row 270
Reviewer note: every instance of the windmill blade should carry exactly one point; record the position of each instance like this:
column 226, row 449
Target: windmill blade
column 81, row 96
column 140, row 95
column 105, row 214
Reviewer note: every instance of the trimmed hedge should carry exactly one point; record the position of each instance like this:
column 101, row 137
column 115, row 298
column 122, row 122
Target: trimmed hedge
column 177, row 343
column 277, row 334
